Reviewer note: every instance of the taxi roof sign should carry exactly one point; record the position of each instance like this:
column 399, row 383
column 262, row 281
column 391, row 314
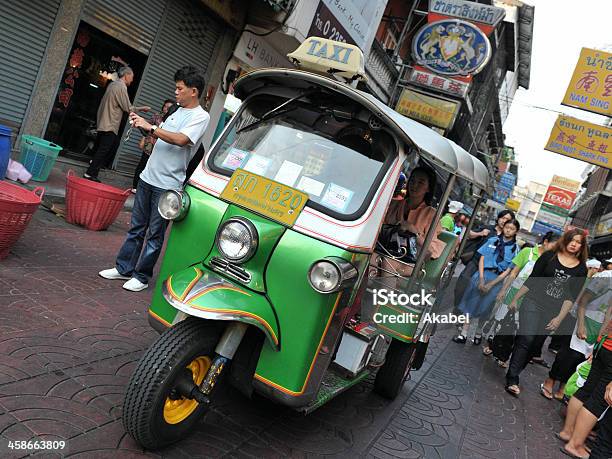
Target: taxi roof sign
column 330, row 57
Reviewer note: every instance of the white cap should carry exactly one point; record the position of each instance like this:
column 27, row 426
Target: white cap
column 593, row 263
column 455, row 206
column 609, row 260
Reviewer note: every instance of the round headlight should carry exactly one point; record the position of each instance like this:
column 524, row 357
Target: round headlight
column 324, row 276
column 173, row 205
column 237, row 240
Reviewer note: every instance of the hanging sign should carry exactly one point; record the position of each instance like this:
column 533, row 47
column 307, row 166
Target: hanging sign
column 565, row 183
column 468, row 11
column 451, row 47
column 431, row 110
column 438, row 82
column 591, row 85
column 581, row 140
column 559, row 197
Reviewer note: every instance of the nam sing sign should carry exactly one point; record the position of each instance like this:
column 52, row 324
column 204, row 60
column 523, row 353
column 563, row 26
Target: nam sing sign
column 591, row 85
column 559, row 197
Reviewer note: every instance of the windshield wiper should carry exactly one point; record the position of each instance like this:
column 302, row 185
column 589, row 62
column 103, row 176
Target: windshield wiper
column 276, row 111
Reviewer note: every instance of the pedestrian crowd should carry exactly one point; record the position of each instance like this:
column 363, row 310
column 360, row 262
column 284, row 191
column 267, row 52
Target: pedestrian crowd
column 516, row 298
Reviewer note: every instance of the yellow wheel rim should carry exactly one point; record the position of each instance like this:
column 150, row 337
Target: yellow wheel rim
column 176, row 411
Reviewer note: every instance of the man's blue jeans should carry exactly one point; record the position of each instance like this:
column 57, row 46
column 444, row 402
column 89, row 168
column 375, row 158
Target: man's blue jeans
column 146, row 221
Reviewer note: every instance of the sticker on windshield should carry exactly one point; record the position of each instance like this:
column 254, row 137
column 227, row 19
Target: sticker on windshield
column 337, row 197
column 234, row 158
column 288, row 173
column 310, row 186
column 257, row 164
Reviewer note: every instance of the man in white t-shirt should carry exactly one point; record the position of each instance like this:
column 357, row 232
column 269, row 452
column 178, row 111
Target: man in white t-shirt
column 178, row 139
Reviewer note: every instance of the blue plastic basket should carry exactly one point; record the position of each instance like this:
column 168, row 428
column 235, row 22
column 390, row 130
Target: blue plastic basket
column 38, row 156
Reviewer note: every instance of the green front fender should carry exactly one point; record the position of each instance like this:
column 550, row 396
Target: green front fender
column 199, row 292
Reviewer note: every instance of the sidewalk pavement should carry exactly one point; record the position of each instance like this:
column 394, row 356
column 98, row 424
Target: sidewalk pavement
column 69, row 341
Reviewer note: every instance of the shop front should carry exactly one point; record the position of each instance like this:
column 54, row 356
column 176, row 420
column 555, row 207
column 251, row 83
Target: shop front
column 154, row 41
column 94, row 60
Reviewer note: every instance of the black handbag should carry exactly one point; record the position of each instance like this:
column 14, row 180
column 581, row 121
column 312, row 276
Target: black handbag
column 401, row 245
column 504, row 337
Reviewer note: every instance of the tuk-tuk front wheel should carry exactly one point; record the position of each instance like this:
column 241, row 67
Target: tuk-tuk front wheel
column 391, row 376
column 156, row 412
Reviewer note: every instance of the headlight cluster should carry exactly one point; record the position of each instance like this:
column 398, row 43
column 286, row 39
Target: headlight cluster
column 331, row 275
column 237, row 240
column 173, row 204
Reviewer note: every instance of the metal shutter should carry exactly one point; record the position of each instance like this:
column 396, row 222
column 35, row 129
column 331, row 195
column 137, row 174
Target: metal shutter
column 24, row 33
column 188, row 35
column 133, row 23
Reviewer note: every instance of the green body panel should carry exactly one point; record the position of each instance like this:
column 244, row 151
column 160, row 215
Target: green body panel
column 200, row 289
column 189, row 242
column 303, row 314
column 269, row 233
column 402, row 331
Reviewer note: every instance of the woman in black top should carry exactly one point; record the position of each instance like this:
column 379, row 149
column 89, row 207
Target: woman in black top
column 550, row 291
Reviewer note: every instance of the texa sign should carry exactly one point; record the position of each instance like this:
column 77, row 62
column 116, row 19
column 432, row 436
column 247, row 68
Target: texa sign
column 559, row 197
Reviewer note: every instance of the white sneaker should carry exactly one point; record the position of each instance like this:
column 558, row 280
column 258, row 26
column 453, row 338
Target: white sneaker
column 134, row 285
column 112, row 274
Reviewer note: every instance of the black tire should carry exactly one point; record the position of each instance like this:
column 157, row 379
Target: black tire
column 154, row 377
column 419, row 355
column 391, row 376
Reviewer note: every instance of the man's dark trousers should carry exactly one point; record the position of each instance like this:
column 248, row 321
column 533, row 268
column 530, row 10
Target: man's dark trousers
column 105, row 143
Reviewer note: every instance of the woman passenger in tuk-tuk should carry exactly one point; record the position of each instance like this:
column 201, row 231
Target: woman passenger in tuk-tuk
column 414, row 213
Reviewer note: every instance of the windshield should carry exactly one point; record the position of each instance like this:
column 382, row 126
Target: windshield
column 338, row 163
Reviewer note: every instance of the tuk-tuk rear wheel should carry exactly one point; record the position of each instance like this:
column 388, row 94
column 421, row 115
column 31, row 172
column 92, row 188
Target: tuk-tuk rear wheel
column 153, row 413
column 391, row 376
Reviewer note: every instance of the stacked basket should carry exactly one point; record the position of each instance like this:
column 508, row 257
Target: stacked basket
column 17, row 206
column 92, row 205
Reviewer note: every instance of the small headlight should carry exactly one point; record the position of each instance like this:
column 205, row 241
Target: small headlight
column 173, row 204
column 237, row 240
column 331, row 275
column 324, row 276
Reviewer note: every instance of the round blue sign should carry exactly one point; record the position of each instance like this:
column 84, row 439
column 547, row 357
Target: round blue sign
column 451, row 47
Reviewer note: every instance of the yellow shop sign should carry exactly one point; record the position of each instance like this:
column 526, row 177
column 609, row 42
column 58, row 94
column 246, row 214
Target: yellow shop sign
column 591, row 85
column 513, row 204
column 431, row 110
column 581, row 140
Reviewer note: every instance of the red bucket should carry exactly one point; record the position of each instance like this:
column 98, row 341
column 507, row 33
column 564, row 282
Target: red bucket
column 17, row 206
column 92, row 205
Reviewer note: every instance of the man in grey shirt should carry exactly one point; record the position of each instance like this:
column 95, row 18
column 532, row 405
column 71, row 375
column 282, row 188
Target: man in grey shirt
column 113, row 104
column 178, row 138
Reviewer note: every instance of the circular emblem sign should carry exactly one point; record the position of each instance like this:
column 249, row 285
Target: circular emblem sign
column 451, row 47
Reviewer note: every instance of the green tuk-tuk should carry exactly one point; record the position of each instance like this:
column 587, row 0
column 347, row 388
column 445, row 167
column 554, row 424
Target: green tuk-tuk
column 265, row 280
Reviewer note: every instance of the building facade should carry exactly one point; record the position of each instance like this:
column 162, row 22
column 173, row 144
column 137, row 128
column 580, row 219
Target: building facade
column 68, row 51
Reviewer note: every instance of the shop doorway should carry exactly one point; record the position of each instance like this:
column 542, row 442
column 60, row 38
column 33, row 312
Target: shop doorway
column 92, row 64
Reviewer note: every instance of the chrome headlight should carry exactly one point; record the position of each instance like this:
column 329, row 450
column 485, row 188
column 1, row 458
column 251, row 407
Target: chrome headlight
column 331, row 274
column 173, row 204
column 237, row 239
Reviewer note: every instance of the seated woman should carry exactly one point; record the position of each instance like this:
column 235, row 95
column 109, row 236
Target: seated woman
column 414, row 214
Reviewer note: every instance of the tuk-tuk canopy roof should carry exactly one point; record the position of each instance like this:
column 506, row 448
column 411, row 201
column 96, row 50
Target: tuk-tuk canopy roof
column 433, row 147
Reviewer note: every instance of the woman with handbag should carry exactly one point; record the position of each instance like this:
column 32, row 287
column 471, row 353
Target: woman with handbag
column 493, row 267
column 522, row 264
column 592, row 306
column 550, row 292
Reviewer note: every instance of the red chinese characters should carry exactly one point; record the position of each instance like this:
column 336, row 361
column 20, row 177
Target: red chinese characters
column 589, row 82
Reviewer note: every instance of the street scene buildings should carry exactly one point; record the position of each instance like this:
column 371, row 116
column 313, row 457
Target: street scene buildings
column 200, row 199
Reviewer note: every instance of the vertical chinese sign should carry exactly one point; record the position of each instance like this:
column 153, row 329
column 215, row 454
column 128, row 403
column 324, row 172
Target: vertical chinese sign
column 591, row 85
